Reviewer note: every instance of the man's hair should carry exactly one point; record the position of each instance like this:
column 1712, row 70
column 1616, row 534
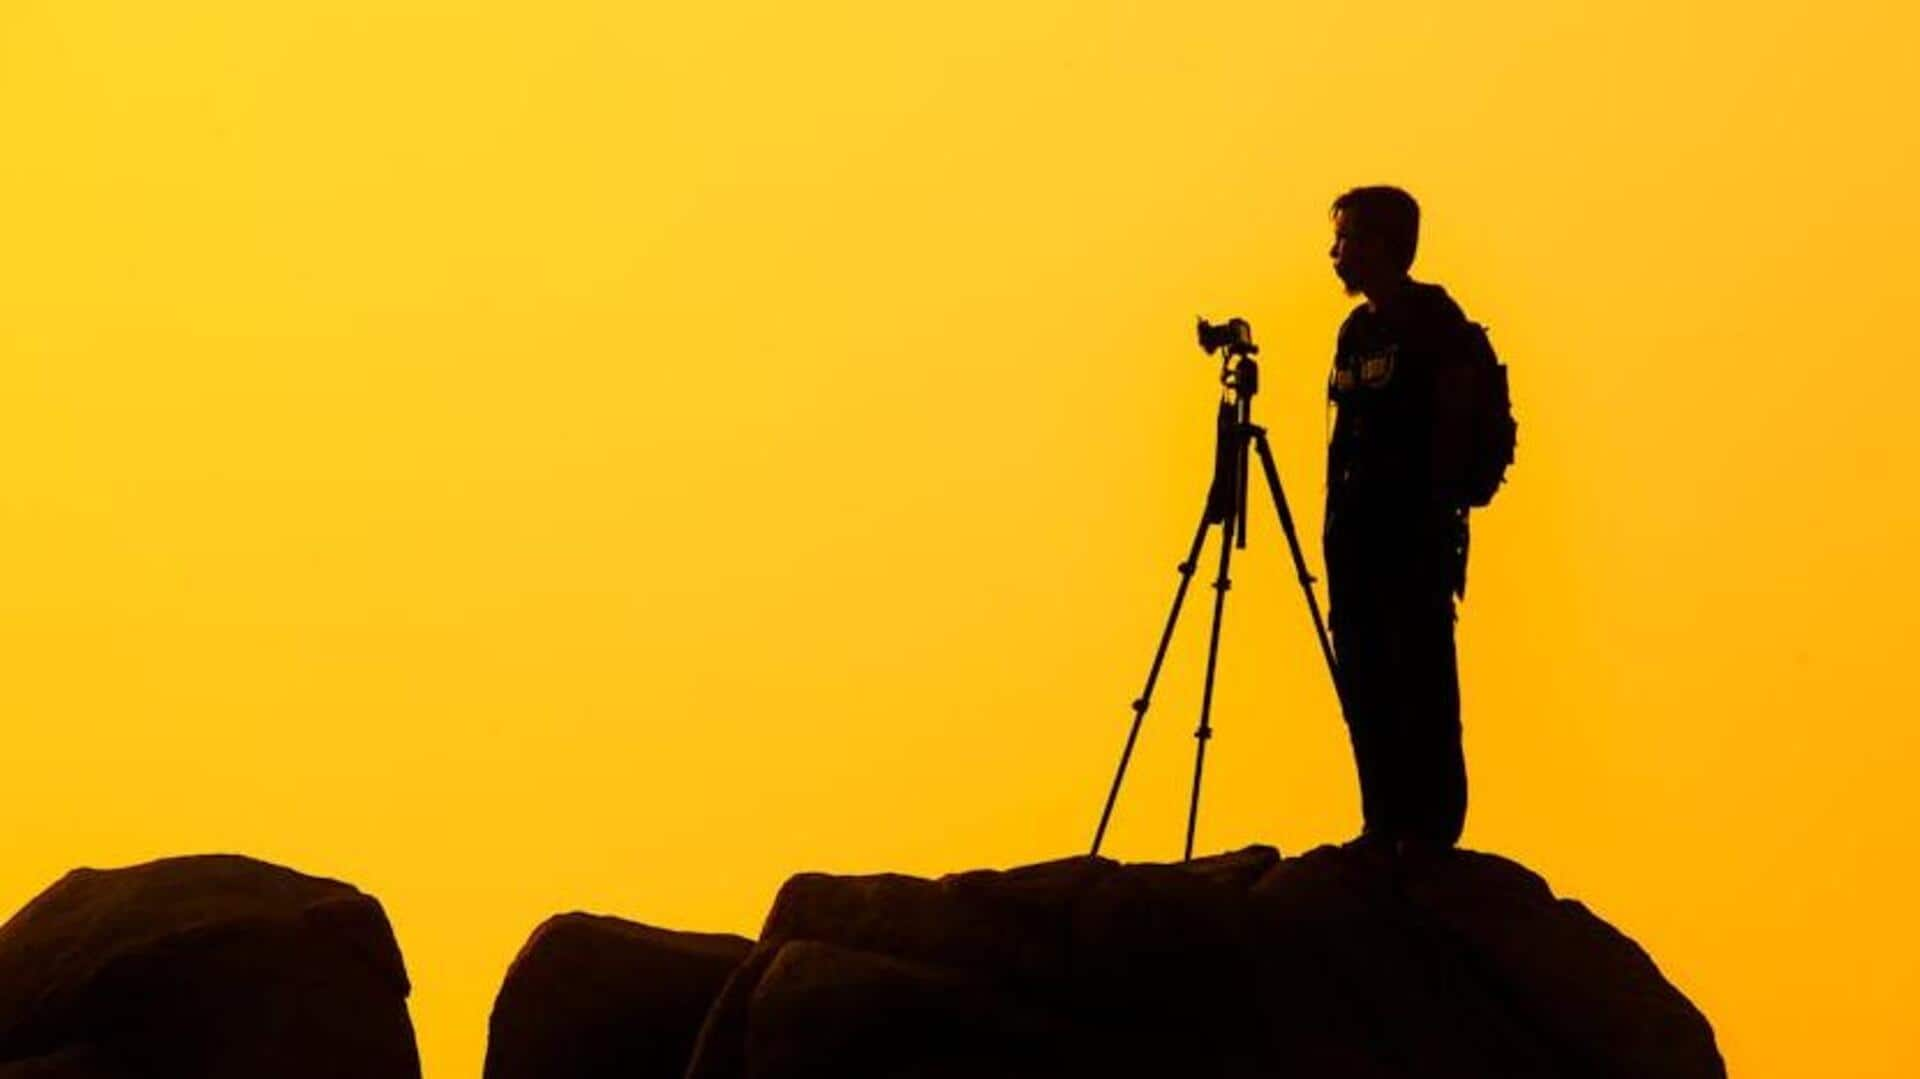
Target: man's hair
column 1386, row 212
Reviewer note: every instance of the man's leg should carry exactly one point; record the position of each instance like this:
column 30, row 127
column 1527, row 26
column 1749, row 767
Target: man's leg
column 1359, row 623
column 1433, row 764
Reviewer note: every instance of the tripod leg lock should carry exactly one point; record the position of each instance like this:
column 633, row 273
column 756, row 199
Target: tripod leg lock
column 1139, row 705
column 1185, row 568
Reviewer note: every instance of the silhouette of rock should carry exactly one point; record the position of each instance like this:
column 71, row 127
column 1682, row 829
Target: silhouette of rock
column 210, row 967
column 1343, row 961
column 1005, row 925
column 591, row 996
column 82, row 1062
column 858, row 1013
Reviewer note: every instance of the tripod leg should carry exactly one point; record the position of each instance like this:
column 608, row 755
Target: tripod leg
column 1299, row 561
column 1205, row 731
column 1153, row 675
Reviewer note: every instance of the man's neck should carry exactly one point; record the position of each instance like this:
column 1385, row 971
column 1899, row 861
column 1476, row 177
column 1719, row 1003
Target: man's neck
column 1384, row 294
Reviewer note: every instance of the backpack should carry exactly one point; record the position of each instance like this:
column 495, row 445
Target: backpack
column 1489, row 429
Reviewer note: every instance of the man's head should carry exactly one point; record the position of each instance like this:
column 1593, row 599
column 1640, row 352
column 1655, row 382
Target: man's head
column 1375, row 232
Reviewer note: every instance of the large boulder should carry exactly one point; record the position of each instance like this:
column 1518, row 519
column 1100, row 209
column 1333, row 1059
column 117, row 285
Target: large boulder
column 870, row 1014
column 74, row 1062
column 1004, row 928
column 1344, row 961
column 209, row 967
column 594, row 997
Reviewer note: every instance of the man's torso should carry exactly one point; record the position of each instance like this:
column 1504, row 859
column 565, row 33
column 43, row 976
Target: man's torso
column 1382, row 502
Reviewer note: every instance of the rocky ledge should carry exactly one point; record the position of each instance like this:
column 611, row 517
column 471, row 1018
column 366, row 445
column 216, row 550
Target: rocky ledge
column 1339, row 962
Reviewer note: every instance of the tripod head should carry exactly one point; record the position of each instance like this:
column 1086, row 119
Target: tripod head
column 1233, row 340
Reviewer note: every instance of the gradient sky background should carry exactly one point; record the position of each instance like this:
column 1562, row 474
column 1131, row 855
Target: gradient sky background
column 520, row 458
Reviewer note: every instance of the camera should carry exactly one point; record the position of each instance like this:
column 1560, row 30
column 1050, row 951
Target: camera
column 1233, row 335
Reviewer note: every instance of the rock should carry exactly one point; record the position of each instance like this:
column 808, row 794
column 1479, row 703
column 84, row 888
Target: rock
column 1587, row 988
column 79, row 1062
column 1474, row 962
column 1351, row 982
column 874, row 1015
column 1166, row 947
column 1010, row 924
column 1009, row 927
column 210, row 967
column 1344, row 961
column 591, row 996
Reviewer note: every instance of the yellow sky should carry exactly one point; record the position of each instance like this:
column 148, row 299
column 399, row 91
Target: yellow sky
column 521, row 458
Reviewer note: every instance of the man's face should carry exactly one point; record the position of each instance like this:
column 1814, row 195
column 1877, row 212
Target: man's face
column 1359, row 259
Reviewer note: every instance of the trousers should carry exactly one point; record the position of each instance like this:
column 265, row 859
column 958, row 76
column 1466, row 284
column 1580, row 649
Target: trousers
column 1392, row 619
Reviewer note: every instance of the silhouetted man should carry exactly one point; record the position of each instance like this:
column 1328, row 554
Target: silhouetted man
column 1395, row 532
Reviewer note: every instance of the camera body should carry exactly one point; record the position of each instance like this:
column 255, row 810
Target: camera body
column 1234, row 336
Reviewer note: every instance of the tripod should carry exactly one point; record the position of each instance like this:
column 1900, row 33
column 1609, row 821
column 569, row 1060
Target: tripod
column 1226, row 506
